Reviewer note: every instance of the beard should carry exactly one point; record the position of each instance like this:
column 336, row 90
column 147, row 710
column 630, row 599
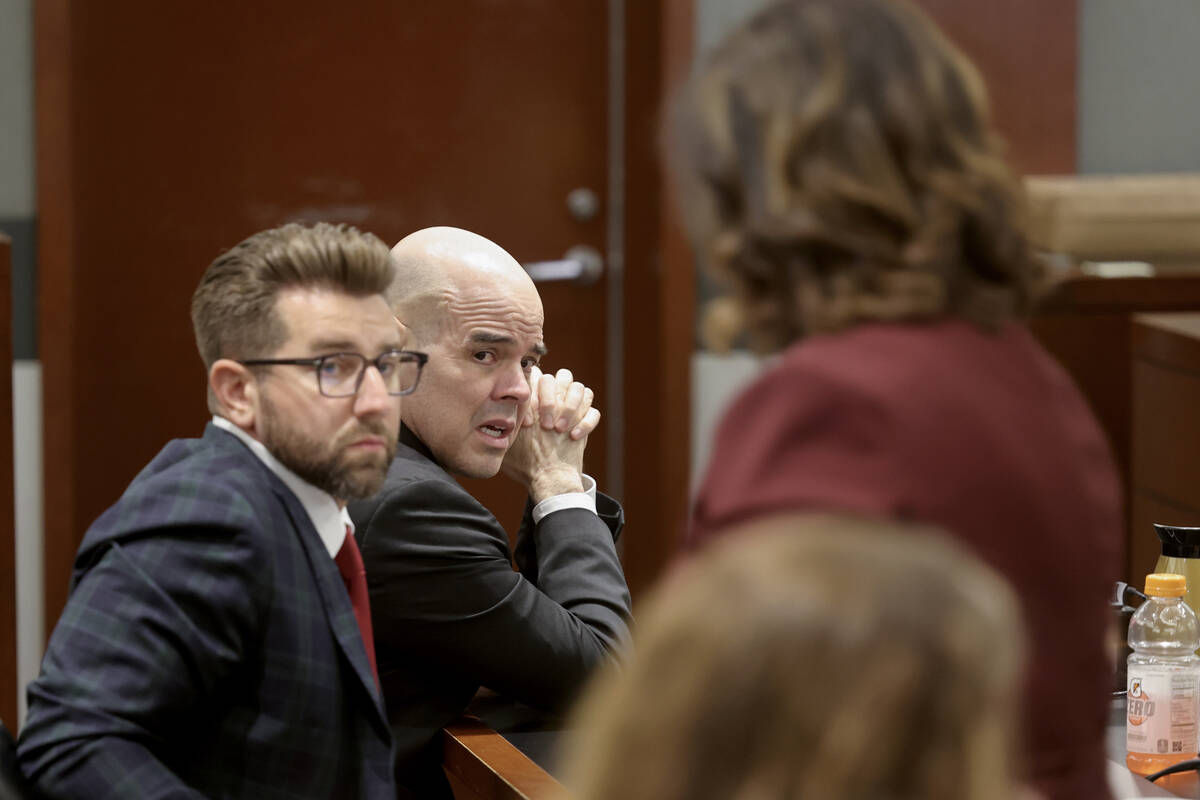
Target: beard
column 328, row 465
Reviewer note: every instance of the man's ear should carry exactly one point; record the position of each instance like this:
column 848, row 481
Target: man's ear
column 236, row 392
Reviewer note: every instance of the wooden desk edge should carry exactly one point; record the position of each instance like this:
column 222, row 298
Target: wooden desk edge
column 491, row 767
column 1075, row 293
column 1171, row 338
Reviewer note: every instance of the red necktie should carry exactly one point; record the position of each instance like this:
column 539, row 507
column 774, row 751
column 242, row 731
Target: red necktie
column 354, row 575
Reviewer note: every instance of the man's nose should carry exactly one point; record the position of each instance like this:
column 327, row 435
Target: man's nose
column 373, row 397
column 513, row 385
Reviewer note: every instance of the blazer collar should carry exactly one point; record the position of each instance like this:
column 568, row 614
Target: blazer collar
column 329, row 520
column 407, row 437
column 334, row 599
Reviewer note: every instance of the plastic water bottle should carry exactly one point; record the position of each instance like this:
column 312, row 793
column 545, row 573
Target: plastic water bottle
column 1163, row 678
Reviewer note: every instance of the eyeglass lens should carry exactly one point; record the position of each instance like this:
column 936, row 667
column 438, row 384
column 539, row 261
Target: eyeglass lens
column 339, row 375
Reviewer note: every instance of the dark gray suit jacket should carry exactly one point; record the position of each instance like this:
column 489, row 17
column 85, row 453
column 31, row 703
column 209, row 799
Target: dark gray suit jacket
column 450, row 614
column 208, row 648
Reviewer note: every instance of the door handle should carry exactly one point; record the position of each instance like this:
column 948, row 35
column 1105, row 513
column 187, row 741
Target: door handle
column 582, row 265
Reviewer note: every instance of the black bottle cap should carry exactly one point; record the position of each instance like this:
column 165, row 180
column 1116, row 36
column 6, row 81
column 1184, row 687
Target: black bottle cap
column 1179, row 542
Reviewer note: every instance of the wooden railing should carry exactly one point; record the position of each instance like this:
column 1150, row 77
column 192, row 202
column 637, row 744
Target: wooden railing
column 483, row 765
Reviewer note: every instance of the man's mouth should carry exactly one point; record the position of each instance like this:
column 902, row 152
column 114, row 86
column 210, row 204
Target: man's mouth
column 370, row 437
column 496, row 429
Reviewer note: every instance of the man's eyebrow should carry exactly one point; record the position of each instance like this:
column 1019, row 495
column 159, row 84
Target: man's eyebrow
column 489, row 337
column 328, row 346
column 332, row 345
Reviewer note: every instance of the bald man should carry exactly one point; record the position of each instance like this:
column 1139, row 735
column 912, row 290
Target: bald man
column 450, row 614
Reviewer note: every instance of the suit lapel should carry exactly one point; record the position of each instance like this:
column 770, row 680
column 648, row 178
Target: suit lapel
column 409, row 439
column 334, row 598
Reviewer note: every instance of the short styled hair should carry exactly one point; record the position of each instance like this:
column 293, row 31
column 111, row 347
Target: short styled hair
column 233, row 308
column 811, row 656
column 837, row 161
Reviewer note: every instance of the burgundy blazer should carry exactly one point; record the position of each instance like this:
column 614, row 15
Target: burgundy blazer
column 981, row 434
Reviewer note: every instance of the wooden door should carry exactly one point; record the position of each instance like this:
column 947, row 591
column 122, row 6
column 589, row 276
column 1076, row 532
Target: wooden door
column 168, row 132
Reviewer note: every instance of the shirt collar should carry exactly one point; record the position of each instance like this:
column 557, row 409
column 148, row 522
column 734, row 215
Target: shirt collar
column 331, row 521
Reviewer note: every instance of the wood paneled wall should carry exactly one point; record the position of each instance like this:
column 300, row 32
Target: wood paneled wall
column 1088, row 325
column 1027, row 51
column 154, row 153
column 662, row 293
column 1165, row 481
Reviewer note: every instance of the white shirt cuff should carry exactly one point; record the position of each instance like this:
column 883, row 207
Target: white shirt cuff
column 585, row 499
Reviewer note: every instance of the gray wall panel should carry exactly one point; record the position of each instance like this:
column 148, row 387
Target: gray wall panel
column 16, row 108
column 1139, row 90
column 23, row 232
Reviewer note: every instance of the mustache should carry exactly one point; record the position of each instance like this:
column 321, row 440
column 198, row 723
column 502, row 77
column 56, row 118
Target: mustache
column 370, row 428
column 376, row 428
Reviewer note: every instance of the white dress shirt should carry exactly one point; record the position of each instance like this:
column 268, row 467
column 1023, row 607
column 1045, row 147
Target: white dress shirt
column 585, row 499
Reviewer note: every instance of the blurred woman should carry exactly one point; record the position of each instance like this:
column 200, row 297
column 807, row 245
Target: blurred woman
column 837, row 167
column 820, row 659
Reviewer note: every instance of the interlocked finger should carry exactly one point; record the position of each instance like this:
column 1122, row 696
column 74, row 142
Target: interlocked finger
column 573, row 409
column 547, row 397
column 563, row 378
column 590, row 420
column 531, row 409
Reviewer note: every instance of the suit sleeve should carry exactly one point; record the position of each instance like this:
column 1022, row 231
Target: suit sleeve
column 148, row 640
column 443, row 588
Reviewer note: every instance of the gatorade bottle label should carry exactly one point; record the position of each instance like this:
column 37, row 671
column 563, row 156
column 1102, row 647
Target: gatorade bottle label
column 1162, row 707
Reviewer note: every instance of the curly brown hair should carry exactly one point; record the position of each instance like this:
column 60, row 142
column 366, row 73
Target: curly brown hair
column 836, row 161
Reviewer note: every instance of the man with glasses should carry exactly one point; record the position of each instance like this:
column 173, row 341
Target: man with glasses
column 217, row 640
column 450, row 613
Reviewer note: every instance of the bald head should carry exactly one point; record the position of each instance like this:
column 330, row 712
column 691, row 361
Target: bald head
column 475, row 311
column 436, row 266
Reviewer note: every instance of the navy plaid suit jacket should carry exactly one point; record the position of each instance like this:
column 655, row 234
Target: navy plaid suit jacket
column 208, row 648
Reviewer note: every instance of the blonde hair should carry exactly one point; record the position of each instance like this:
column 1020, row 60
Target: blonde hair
column 816, row 657
column 836, row 163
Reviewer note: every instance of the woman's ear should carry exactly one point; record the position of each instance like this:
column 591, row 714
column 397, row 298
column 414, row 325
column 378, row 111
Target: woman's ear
column 236, row 391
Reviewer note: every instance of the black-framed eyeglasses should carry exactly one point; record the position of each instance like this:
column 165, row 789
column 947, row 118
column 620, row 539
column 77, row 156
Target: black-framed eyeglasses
column 341, row 374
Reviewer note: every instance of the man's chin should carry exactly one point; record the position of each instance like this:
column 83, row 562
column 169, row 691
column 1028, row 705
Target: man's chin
column 364, row 477
column 479, row 468
column 359, row 484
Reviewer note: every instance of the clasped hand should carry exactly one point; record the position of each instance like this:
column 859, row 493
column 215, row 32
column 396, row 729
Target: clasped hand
column 547, row 455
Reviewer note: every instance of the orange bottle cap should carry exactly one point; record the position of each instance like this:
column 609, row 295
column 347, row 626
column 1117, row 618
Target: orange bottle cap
column 1164, row 584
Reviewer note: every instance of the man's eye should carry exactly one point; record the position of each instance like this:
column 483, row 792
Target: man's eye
column 338, row 368
column 485, row 357
column 528, row 363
